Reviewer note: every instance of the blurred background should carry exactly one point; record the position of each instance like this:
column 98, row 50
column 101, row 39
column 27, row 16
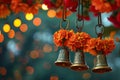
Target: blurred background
column 28, row 51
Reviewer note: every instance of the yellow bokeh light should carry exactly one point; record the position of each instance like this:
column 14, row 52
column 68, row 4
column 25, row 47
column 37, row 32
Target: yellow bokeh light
column 6, row 28
column 51, row 13
column 44, row 7
column 17, row 22
column 29, row 16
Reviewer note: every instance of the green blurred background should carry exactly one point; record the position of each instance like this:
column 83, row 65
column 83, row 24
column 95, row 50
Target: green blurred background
column 31, row 55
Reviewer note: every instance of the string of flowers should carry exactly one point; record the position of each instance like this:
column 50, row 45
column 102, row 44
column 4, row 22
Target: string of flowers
column 29, row 6
column 78, row 41
column 61, row 37
column 4, row 11
column 95, row 45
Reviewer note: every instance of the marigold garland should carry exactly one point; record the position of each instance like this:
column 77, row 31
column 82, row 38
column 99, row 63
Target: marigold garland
column 95, row 45
column 101, row 5
column 62, row 36
column 20, row 6
column 78, row 41
column 4, row 11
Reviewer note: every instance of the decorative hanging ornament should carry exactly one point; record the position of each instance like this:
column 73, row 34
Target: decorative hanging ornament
column 60, row 39
column 79, row 62
column 100, row 64
column 63, row 58
column 17, row 22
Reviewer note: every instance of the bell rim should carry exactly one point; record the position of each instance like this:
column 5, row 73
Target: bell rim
column 63, row 63
column 79, row 67
column 105, row 69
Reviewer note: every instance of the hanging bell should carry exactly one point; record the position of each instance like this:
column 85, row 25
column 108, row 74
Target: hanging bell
column 63, row 58
column 100, row 64
column 79, row 62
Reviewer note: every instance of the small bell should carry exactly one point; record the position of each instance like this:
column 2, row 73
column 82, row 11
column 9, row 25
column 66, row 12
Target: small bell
column 100, row 64
column 79, row 62
column 63, row 58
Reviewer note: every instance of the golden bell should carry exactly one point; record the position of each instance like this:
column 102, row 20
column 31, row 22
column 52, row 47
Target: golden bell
column 79, row 62
column 63, row 58
column 100, row 64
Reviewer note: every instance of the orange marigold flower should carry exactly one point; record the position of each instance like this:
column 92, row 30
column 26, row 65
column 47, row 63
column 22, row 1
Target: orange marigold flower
column 108, row 45
column 78, row 41
column 4, row 11
column 61, row 37
column 101, row 5
column 95, row 45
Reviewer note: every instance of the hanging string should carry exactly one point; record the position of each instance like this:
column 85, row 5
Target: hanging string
column 99, row 20
column 64, row 11
column 80, row 16
column 64, row 18
column 80, row 10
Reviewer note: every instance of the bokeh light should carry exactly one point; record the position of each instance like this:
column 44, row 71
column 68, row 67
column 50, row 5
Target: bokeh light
column 54, row 78
column 17, row 22
column 51, row 13
column 3, row 71
column 47, row 48
column 37, row 21
column 47, row 65
column 44, row 7
column 30, row 70
column 23, row 28
column 11, row 33
column 29, row 16
column 86, row 75
column 19, row 36
column 6, row 28
column 1, row 37
column 17, row 75
column 34, row 54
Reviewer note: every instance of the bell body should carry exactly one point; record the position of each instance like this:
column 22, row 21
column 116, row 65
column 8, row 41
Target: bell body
column 100, row 64
column 79, row 62
column 63, row 58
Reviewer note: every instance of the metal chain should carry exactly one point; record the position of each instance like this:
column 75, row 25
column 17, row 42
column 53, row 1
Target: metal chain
column 80, row 19
column 99, row 27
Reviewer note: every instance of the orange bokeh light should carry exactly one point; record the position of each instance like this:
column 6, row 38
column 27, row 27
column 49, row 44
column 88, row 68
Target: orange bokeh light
column 34, row 54
column 11, row 33
column 23, row 28
column 54, row 78
column 51, row 13
column 1, row 37
column 3, row 71
column 37, row 21
column 59, row 13
column 30, row 70
column 47, row 48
